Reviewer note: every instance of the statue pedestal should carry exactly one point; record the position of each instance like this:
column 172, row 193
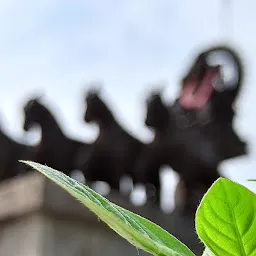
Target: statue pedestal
column 37, row 218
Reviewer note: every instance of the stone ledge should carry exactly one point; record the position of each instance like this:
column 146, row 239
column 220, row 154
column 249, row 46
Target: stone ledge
column 21, row 195
column 34, row 193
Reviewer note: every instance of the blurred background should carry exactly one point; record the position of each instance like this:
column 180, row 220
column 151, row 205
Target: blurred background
column 54, row 48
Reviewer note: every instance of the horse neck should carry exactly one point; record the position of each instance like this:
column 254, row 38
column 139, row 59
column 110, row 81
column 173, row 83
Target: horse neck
column 105, row 125
column 164, row 128
column 161, row 133
column 107, row 121
column 49, row 127
column 5, row 138
column 164, row 121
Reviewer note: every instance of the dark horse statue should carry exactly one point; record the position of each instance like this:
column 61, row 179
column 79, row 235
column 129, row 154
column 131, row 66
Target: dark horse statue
column 156, row 153
column 195, row 178
column 11, row 153
column 204, row 114
column 114, row 152
column 207, row 102
column 55, row 148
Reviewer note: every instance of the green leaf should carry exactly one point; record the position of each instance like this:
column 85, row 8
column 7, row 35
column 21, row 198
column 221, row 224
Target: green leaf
column 226, row 219
column 207, row 252
column 139, row 231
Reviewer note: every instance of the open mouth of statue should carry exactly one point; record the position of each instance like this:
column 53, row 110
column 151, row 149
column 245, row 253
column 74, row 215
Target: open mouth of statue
column 196, row 91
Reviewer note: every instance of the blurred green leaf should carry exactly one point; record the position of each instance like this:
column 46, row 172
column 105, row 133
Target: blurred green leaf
column 139, row 231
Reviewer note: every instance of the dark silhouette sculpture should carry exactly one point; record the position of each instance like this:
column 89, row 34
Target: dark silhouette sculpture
column 203, row 115
column 165, row 149
column 155, row 154
column 11, row 153
column 114, row 152
column 208, row 100
column 55, row 148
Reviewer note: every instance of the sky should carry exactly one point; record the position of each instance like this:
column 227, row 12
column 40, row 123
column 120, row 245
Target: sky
column 55, row 48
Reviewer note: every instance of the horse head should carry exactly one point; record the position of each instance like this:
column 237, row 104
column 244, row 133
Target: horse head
column 157, row 113
column 32, row 112
column 96, row 110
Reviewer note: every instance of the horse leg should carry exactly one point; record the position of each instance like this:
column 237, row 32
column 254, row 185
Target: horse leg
column 153, row 190
column 158, row 190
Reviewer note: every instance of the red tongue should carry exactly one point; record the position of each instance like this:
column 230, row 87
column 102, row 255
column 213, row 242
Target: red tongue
column 191, row 100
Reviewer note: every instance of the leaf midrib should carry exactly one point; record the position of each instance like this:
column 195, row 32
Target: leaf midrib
column 235, row 225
